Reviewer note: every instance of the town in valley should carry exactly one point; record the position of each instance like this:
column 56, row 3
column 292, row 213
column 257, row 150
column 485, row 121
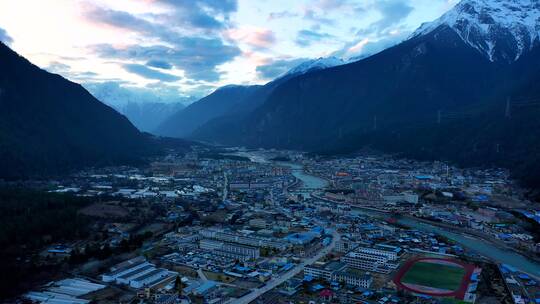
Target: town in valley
column 269, row 152
column 267, row 226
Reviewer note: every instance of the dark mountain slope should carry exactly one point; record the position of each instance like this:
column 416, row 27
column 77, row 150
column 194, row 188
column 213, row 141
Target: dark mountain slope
column 220, row 102
column 408, row 83
column 49, row 125
column 226, row 127
column 501, row 128
column 442, row 94
column 149, row 115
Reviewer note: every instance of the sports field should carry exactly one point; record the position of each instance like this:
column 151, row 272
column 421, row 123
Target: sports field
column 435, row 275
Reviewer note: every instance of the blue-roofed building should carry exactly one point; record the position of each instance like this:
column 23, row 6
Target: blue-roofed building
column 316, row 287
column 318, row 230
column 301, row 238
column 291, row 286
column 327, row 241
column 206, row 289
column 287, row 267
column 308, row 278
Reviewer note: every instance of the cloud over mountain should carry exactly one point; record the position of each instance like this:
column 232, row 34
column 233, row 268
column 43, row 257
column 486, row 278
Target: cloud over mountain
column 4, row 37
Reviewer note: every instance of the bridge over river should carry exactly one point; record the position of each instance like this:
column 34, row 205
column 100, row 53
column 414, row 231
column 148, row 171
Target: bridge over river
column 480, row 246
column 493, row 252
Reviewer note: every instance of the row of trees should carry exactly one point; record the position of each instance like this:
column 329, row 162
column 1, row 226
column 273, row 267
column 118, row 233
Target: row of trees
column 31, row 220
column 102, row 252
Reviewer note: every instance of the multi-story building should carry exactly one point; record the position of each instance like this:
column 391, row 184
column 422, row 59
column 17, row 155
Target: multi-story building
column 389, row 252
column 345, row 246
column 338, row 272
column 230, row 250
column 259, row 223
column 323, row 270
column 381, row 258
column 125, row 268
column 207, row 244
column 255, row 241
column 365, row 262
column 249, row 251
column 151, row 278
column 352, row 277
column 138, row 273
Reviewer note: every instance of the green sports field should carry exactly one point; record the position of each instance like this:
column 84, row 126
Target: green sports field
column 434, row 276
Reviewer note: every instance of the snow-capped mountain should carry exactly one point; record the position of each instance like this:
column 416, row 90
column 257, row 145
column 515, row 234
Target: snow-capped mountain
column 502, row 30
column 145, row 108
column 315, row 64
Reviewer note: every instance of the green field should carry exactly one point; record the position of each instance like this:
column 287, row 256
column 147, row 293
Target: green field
column 434, row 275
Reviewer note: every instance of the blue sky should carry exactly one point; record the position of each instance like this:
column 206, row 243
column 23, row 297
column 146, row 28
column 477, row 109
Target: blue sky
column 190, row 47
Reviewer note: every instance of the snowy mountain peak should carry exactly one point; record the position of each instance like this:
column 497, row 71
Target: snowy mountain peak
column 502, row 30
column 315, row 64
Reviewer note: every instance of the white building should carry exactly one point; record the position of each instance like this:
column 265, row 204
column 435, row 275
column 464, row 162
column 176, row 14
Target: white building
column 345, row 246
column 381, row 259
column 255, row 241
column 137, row 273
column 324, row 271
column 207, row 244
column 124, row 268
column 230, row 250
column 65, row 291
column 131, row 275
column 389, row 252
column 353, row 278
column 152, row 278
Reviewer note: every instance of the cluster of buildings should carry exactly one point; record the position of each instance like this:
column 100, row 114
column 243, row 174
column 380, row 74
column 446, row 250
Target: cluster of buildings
column 138, row 273
column 229, row 227
column 71, row 291
column 334, row 271
column 483, row 202
column 380, row 258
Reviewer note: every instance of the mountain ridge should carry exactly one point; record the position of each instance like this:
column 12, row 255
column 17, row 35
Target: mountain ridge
column 432, row 96
column 490, row 26
column 50, row 125
column 239, row 106
column 218, row 103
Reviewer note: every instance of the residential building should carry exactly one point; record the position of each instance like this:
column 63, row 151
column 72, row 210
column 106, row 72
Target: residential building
column 323, row 270
column 353, row 277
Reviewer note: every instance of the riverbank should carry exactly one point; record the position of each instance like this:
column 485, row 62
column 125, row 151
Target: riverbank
column 496, row 251
column 486, row 248
column 477, row 234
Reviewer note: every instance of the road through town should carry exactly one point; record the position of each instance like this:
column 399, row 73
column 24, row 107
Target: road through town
column 254, row 294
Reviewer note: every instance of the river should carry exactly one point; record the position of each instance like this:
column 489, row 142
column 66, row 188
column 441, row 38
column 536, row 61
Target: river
column 476, row 245
column 473, row 244
column 307, row 180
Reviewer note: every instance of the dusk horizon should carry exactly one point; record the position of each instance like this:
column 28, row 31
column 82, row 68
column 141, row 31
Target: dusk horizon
column 270, row 151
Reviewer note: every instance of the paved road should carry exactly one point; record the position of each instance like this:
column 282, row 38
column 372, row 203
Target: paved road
column 225, row 186
column 254, row 294
column 201, row 275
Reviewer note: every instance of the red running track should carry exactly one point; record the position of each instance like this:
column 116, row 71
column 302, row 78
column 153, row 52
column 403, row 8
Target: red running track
column 458, row 294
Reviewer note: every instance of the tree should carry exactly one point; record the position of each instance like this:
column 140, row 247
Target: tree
column 179, row 285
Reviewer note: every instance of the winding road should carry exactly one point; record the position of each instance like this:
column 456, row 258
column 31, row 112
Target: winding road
column 273, row 283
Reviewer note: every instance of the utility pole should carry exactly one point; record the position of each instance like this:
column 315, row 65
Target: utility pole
column 508, row 110
column 498, row 148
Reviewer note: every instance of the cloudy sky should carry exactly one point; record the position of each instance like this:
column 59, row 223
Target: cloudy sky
column 189, row 47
